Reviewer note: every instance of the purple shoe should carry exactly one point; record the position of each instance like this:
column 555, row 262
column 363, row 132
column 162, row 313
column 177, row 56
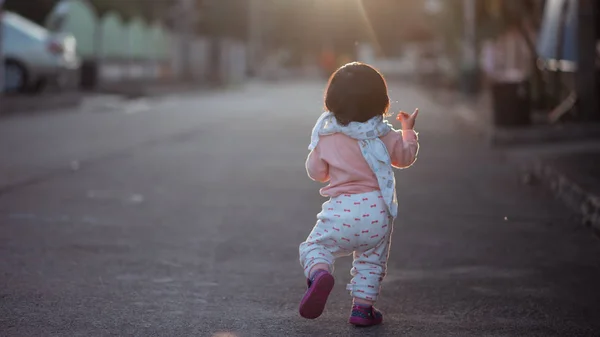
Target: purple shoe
column 319, row 287
column 365, row 316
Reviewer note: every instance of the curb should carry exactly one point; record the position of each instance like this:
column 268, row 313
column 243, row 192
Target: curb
column 138, row 90
column 522, row 135
column 544, row 134
column 572, row 194
column 31, row 104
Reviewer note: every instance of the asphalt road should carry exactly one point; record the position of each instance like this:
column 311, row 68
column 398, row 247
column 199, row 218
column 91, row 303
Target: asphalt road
column 183, row 218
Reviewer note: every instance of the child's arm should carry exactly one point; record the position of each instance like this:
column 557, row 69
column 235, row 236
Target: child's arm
column 317, row 168
column 405, row 143
column 404, row 149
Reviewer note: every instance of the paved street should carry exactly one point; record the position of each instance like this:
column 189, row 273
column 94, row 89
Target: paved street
column 184, row 218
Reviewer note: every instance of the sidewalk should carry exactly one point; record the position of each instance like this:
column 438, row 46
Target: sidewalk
column 12, row 105
column 141, row 89
column 564, row 157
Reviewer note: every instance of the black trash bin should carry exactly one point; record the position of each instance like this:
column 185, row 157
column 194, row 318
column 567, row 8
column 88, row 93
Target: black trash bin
column 511, row 103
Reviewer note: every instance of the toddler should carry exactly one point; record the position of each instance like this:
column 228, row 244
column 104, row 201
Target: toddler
column 354, row 149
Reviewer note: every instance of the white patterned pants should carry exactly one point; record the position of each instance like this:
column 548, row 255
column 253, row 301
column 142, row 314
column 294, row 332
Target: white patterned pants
column 357, row 224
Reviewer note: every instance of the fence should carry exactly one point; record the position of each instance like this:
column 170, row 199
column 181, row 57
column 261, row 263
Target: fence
column 115, row 50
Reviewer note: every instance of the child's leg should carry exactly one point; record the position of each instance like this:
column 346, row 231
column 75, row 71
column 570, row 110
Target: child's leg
column 317, row 256
column 321, row 248
column 369, row 269
column 319, row 266
column 314, row 256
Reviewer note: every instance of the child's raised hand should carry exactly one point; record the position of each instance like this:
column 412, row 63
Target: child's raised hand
column 408, row 121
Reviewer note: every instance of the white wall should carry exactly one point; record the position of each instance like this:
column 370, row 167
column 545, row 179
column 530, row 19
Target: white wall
column 411, row 63
column 389, row 66
column 199, row 58
column 233, row 65
column 111, row 71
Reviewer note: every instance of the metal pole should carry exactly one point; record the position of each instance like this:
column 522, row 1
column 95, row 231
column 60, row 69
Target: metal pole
column 216, row 33
column 586, row 75
column 185, row 16
column 1, row 56
column 255, row 34
column 469, row 47
column 184, row 26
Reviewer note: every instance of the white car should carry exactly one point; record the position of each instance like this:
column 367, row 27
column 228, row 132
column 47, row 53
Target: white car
column 35, row 58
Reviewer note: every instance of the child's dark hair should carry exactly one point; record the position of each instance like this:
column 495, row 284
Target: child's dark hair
column 356, row 93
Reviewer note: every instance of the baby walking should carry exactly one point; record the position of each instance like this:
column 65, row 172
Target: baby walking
column 355, row 149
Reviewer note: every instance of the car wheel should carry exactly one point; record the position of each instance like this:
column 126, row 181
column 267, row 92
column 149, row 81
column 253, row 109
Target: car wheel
column 15, row 77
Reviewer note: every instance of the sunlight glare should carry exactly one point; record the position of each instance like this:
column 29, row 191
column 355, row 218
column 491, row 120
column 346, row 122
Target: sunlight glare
column 371, row 31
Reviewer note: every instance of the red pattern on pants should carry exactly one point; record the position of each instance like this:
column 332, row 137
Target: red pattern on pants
column 357, row 225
